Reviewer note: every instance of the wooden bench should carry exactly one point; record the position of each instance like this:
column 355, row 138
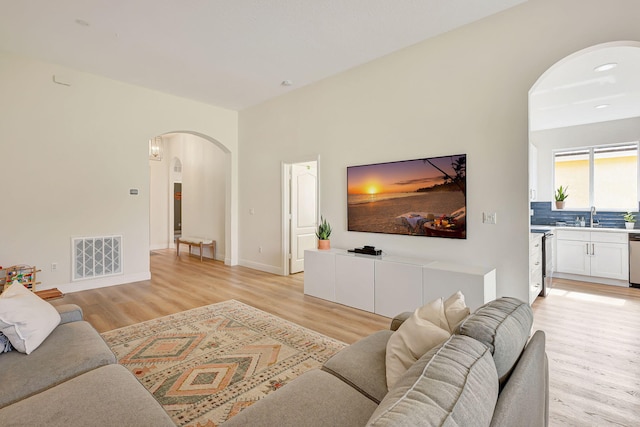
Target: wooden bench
column 196, row 241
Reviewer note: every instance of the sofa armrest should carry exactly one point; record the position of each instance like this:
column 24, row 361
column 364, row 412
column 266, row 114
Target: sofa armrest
column 399, row 320
column 69, row 313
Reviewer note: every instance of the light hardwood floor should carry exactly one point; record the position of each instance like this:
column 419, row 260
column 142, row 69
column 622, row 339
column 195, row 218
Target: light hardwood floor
column 593, row 345
column 593, row 331
column 179, row 284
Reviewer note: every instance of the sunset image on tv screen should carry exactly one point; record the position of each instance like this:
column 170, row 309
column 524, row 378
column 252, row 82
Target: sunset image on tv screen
column 422, row 197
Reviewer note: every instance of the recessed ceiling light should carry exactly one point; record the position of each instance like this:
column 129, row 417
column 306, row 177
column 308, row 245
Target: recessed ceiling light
column 286, row 83
column 605, row 67
column 601, row 106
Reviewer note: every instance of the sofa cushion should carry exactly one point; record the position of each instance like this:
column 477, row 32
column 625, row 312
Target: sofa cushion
column 524, row 401
column 107, row 396
column 362, row 365
column 316, row 398
column 503, row 325
column 70, row 350
column 69, row 313
column 27, row 319
column 454, row 384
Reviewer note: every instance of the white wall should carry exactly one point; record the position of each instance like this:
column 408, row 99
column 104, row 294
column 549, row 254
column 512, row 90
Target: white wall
column 70, row 155
column 463, row 92
column 613, row 132
column 203, row 190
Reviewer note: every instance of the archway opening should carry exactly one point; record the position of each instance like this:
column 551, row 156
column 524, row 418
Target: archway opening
column 191, row 185
column 584, row 116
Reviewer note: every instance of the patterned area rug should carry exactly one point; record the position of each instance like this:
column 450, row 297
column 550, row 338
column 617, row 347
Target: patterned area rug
column 207, row 364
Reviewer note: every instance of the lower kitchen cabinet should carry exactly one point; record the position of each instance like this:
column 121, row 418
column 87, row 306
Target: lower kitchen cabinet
column 610, row 260
column 535, row 266
column 593, row 253
column 573, row 257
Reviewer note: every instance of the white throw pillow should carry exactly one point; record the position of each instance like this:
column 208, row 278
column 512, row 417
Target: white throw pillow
column 455, row 310
column 429, row 326
column 416, row 336
column 29, row 319
column 433, row 311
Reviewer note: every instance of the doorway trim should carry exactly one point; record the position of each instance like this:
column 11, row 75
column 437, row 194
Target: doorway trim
column 286, row 211
column 172, row 215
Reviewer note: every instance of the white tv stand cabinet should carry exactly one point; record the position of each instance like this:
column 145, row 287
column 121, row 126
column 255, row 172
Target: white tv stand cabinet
column 388, row 285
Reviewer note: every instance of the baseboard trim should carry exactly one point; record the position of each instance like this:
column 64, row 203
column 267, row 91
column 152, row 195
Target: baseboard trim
column 598, row 280
column 261, row 267
column 100, row 283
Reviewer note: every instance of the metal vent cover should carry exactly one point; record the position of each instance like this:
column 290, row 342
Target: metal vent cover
column 96, row 257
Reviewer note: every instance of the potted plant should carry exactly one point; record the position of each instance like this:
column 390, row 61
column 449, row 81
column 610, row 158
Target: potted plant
column 323, row 233
column 629, row 220
column 561, row 195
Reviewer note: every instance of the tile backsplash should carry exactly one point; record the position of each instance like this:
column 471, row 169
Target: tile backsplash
column 544, row 215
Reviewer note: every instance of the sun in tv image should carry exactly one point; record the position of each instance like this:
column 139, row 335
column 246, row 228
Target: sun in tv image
column 421, row 197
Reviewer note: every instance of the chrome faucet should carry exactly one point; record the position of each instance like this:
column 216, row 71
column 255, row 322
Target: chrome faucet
column 593, row 213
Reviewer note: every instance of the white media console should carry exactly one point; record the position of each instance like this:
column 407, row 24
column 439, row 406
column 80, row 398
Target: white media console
column 389, row 285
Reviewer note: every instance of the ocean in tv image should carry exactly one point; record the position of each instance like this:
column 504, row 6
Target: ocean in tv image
column 421, row 197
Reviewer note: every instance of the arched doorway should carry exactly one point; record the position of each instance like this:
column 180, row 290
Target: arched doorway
column 200, row 166
column 584, row 116
column 596, row 85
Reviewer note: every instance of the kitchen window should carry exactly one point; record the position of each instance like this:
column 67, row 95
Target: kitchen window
column 604, row 176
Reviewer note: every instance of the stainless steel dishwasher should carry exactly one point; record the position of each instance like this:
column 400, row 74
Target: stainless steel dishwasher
column 634, row 259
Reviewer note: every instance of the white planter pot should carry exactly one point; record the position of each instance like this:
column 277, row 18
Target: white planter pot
column 630, row 225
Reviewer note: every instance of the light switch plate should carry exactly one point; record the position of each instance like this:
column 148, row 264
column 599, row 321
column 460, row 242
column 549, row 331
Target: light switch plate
column 489, row 218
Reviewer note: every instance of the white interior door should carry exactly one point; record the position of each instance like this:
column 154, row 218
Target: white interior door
column 304, row 208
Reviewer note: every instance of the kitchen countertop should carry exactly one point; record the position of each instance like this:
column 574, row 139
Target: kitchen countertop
column 568, row 227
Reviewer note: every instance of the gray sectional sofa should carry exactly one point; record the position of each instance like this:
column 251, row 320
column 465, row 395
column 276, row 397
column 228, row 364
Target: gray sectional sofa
column 490, row 372
column 72, row 379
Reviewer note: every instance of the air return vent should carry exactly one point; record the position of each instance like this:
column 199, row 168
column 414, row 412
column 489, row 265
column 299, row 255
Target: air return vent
column 96, row 257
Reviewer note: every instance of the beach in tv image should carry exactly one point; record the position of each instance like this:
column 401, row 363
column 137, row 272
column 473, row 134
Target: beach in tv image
column 421, row 197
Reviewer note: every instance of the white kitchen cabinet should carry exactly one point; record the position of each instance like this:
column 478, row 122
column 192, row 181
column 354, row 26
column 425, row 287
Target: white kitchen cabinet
column 572, row 257
column 535, row 266
column 355, row 281
column 602, row 254
column 610, row 260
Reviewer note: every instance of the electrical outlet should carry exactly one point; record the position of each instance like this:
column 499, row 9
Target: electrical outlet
column 259, row 249
column 54, row 266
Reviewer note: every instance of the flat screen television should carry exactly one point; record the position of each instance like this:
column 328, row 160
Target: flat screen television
column 421, row 197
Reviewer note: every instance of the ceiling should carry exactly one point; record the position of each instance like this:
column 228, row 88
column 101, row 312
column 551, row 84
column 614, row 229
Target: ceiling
column 574, row 92
column 233, row 54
